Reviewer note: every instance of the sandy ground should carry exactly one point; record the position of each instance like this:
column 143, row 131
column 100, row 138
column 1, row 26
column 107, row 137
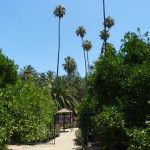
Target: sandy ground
column 64, row 142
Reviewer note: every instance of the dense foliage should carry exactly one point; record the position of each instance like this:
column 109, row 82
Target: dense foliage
column 30, row 111
column 8, row 70
column 121, row 79
column 26, row 110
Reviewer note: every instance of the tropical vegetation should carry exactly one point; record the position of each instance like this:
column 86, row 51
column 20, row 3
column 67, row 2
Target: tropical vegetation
column 112, row 100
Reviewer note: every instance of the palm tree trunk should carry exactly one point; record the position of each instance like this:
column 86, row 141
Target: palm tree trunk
column 84, row 60
column 85, row 68
column 104, row 23
column 88, row 60
column 58, row 47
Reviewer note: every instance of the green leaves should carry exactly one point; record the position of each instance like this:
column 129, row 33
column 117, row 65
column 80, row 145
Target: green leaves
column 63, row 94
column 8, row 71
column 139, row 139
column 27, row 112
column 120, row 81
column 110, row 126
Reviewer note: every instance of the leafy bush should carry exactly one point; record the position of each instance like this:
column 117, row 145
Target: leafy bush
column 5, row 126
column 8, row 71
column 139, row 139
column 109, row 124
column 32, row 110
column 8, row 75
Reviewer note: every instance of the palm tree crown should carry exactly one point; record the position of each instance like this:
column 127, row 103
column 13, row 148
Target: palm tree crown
column 87, row 45
column 27, row 73
column 69, row 65
column 59, row 11
column 80, row 31
column 104, row 35
column 109, row 22
column 63, row 95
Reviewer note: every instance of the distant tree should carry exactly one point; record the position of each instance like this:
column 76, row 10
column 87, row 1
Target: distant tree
column 59, row 12
column 63, row 95
column 70, row 65
column 104, row 34
column 79, row 84
column 87, row 45
column 104, row 17
column 109, row 22
column 80, row 31
column 41, row 79
column 45, row 79
column 27, row 73
column 50, row 75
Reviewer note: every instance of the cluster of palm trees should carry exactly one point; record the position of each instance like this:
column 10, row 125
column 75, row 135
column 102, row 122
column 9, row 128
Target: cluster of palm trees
column 68, row 90
column 70, row 65
column 86, row 45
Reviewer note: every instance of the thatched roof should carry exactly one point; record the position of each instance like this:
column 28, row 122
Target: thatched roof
column 63, row 111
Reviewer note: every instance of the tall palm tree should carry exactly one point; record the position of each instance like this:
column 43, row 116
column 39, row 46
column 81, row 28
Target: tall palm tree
column 104, row 24
column 80, row 31
column 59, row 12
column 104, row 35
column 70, row 65
column 87, row 45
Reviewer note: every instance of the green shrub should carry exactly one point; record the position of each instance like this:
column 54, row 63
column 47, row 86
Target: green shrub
column 5, row 127
column 32, row 110
column 109, row 125
column 8, row 71
column 139, row 139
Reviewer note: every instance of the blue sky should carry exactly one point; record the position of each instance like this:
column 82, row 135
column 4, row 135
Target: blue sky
column 28, row 29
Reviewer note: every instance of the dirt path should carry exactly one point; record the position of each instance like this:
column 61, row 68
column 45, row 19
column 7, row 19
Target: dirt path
column 64, row 142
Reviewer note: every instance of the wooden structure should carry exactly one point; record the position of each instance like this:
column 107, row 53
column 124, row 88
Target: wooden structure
column 65, row 116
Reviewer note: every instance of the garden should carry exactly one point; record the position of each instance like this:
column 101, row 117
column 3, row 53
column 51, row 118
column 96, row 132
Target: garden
column 111, row 103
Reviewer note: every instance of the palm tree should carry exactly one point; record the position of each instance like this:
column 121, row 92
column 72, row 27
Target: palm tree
column 42, row 80
column 104, row 35
column 109, row 22
column 87, row 45
column 70, row 65
column 59, row 12
column 63, row 95
column 80, row 31
column 27, row 73
column 104, row 24
column 50, row 75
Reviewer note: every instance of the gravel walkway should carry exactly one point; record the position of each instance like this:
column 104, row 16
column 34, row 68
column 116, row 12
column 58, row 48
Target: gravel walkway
column 64, row 142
